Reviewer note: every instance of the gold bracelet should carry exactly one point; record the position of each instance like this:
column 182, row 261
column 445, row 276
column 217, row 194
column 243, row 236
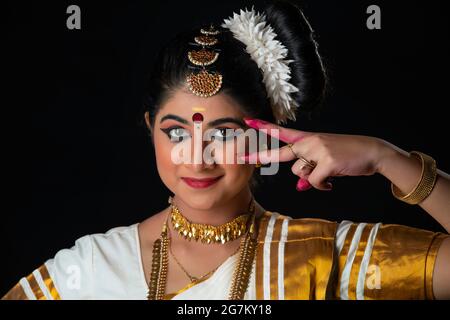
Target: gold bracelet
column 425, row 184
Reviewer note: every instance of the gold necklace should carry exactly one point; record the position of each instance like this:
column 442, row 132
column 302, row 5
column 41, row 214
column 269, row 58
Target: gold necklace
column 208, row 233
column 193, row 278
column 242, row 271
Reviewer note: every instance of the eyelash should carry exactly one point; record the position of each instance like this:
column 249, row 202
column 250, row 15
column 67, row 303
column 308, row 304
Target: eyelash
column 222, row 139
column 169, row 129
column 225, row 138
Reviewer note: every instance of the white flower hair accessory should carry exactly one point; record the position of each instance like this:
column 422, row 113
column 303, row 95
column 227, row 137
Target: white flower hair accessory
column 252, row 29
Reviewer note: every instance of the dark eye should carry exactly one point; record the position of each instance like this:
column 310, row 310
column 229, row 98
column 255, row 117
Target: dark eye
column 223, row 134
column 176, row 134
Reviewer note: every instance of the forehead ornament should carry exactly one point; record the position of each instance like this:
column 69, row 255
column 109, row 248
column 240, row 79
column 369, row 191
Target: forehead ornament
column 204, row 82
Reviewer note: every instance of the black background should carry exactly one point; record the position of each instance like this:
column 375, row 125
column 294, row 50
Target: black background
column 77, row 161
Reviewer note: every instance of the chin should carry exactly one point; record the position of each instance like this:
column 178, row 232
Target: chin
column 201, row 199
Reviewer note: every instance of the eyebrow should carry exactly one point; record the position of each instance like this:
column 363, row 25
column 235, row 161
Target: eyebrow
column 213, row 123
column 173, row 117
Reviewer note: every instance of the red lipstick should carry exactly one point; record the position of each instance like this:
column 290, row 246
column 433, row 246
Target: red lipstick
column 200, row 183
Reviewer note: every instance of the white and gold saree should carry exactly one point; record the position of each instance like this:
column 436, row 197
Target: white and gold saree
column 295, row 259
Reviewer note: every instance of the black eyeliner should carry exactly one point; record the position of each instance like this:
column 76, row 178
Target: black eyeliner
column 167, row 132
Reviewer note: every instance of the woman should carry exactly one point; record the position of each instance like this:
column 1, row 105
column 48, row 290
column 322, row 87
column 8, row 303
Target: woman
column 214, row 241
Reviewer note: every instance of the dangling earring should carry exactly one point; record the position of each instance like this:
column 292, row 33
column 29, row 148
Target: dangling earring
column 258, row 164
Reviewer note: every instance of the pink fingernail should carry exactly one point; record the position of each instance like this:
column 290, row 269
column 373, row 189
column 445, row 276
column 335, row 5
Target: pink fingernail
column 303, row 185
column 254, row 123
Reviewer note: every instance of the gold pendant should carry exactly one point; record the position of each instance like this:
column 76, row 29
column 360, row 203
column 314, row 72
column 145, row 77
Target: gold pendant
column 202, row 57
column 204, row 84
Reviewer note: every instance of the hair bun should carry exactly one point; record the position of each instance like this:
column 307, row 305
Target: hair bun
column 307, row 70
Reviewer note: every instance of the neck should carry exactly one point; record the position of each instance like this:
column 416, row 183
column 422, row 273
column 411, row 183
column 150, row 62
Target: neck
column 216, row 215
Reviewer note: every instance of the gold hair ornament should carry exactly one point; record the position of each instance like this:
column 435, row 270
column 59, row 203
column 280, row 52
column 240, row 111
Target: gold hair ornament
column 204, row 83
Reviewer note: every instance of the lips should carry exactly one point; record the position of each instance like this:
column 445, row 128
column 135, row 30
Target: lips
column 200, row 183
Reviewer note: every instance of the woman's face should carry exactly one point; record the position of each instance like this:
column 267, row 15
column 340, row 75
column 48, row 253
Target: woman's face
column 210, row 175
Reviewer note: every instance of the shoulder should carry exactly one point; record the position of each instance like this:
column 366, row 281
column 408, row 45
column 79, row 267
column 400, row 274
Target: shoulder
column 73, row 273
column 113, row 239
column 77, row 271
column 109, row 242
column 297, row 228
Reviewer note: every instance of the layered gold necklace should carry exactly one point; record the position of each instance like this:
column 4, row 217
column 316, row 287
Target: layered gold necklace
column 220, row 234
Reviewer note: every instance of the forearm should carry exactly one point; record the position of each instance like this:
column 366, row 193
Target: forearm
column 404, row 172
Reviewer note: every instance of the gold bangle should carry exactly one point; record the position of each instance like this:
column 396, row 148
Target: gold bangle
column 426, row 183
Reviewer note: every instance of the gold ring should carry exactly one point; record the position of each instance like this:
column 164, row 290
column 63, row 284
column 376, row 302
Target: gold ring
column 302, row 166
column 292, row 150
column 309, row 163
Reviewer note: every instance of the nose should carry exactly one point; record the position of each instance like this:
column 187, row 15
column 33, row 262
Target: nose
column 201, row 160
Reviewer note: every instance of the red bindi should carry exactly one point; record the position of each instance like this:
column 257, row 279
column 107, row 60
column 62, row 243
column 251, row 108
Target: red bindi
column 197, row 117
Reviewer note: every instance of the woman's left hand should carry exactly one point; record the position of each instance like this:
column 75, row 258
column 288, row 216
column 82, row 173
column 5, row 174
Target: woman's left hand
column 333, row 155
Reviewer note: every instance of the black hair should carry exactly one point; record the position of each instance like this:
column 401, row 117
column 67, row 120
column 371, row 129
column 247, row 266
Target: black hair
column 242, row 79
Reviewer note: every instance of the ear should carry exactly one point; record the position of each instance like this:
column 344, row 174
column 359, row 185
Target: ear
column 148, row 122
